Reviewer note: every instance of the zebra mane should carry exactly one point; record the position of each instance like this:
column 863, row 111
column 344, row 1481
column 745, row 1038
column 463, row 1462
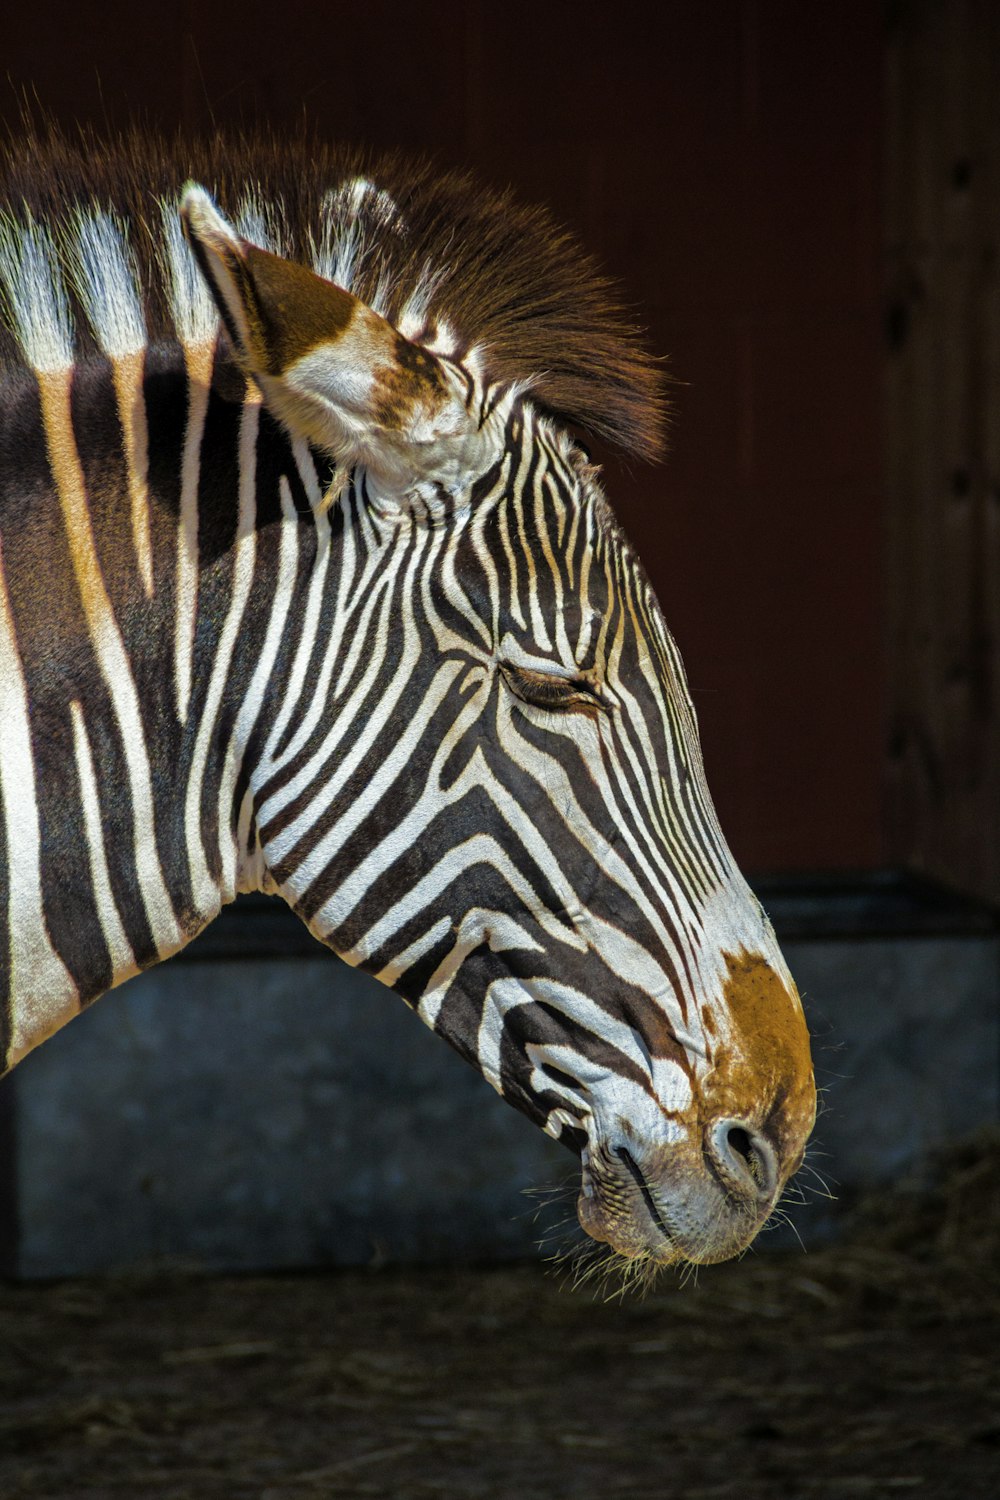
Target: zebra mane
column 92, row 261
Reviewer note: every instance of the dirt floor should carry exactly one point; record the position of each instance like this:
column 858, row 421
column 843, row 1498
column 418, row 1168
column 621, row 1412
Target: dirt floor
column 869, row 1369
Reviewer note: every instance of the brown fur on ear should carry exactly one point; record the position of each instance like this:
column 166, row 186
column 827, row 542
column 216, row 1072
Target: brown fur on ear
column 301, row 336
column 501, row 276
column 275, row 310
column 295, row 310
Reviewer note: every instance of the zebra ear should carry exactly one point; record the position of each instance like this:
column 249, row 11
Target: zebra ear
column 333, row 370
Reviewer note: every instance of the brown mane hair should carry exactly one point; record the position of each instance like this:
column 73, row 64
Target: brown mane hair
column 503, row 276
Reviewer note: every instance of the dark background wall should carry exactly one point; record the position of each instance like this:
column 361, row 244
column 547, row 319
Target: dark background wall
column 723, row 160
column 942, row 230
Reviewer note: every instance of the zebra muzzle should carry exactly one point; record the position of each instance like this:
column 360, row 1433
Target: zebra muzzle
column 700, row 1203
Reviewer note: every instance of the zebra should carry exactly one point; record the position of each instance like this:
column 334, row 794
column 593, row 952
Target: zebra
column 309, row 585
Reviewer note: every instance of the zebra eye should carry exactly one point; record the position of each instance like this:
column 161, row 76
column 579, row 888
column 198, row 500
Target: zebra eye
column 549, row 690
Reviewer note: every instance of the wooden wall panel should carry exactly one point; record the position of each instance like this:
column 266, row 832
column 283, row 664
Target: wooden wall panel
column 943, row 259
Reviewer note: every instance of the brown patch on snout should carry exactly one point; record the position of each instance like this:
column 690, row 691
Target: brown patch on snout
column 764, row 1072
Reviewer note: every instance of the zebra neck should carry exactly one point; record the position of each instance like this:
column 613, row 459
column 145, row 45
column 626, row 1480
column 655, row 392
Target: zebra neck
column 141, row 522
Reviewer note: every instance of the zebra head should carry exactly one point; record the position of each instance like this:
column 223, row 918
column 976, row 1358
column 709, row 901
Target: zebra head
column 499, row 808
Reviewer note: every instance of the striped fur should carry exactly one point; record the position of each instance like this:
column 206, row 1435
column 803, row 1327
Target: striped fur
column 418, row 684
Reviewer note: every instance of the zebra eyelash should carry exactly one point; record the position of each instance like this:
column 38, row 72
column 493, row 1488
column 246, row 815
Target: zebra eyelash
column 552, row 690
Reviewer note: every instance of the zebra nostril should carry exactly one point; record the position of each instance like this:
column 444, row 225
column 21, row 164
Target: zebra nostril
column 738, row 1141
column 744, row 1157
